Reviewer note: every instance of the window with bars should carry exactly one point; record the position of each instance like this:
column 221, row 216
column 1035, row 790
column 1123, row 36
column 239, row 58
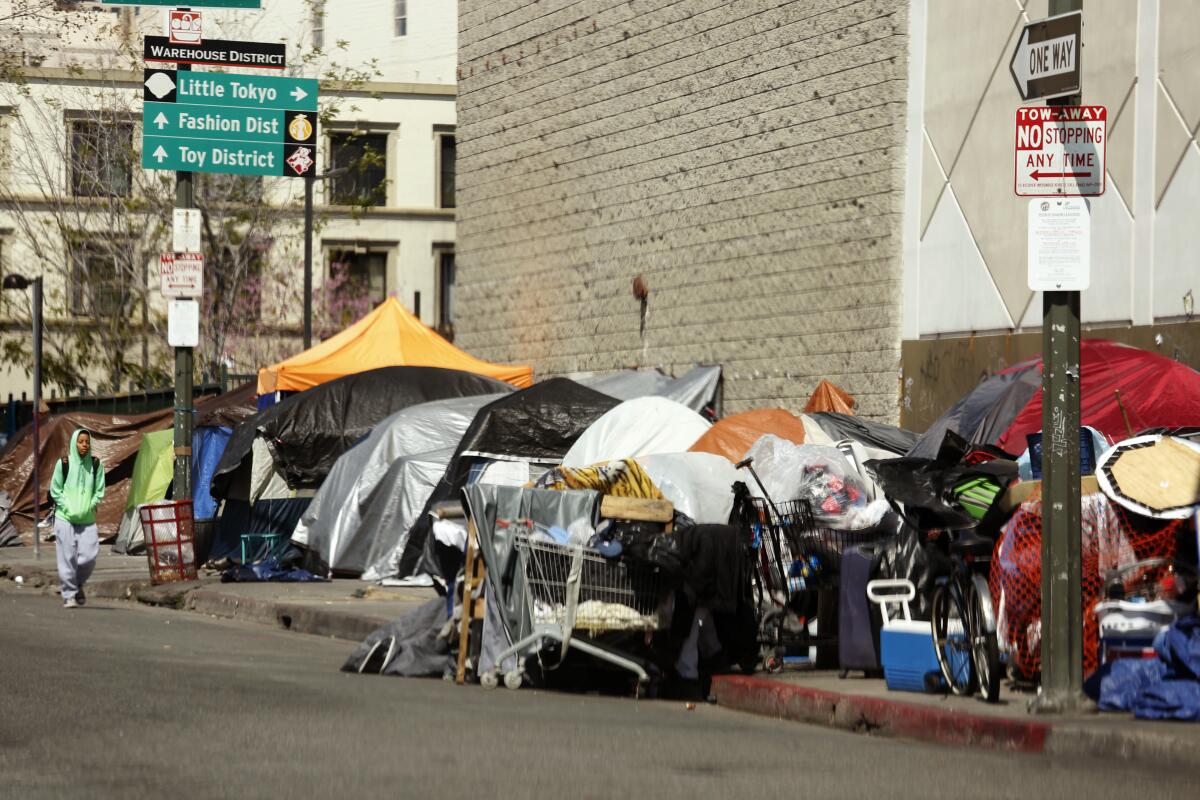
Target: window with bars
column 364, row 157
column 101, row 158
column 318, row 23
column 443, row 255
column 401, row 14
column 98, row 287
column 446, row 169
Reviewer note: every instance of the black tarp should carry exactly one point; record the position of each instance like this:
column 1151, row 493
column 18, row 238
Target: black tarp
column 865, row 432
column 277, row 516
column 985, row 412
column 308, row 431
column 227, row 410
column 535, row 424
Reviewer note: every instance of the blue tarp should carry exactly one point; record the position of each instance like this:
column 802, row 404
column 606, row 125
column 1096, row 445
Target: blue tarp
column 207, row 446
column 269, row 569
column 1167, row 687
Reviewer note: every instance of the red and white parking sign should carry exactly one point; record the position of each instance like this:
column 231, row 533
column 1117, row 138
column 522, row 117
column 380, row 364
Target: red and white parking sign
column 181, row 274
column 1060, row 151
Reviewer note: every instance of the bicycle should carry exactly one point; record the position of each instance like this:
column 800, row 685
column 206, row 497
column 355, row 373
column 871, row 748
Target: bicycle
column 964, row 623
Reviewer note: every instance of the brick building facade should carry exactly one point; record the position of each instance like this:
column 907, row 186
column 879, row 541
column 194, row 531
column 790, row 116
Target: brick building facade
column 743, row 159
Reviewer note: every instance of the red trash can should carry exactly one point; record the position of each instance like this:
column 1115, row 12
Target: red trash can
column 170, row 546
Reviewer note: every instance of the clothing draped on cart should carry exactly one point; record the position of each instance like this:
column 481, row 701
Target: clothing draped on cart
column 624, row 478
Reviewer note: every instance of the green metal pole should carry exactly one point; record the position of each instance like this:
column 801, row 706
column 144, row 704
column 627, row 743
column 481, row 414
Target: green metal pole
column 1062, row 593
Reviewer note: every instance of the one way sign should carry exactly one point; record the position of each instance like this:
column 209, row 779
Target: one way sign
column 1047, row 58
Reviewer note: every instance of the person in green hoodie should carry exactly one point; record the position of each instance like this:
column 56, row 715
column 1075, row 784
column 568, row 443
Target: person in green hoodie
column 76, row 489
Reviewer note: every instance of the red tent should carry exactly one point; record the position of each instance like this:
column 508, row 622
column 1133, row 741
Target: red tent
column 1154, row 391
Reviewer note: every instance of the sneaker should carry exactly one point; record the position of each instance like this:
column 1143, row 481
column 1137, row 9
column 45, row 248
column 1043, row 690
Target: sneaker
column 70, row 602
column 80, row 600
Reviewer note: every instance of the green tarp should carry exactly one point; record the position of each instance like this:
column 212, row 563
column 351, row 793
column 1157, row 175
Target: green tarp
column 153, row 469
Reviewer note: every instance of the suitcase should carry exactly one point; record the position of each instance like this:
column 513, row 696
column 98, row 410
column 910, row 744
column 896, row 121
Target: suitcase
column 858, row 620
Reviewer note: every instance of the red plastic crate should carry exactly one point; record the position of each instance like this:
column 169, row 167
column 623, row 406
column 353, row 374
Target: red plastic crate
column 170, row 542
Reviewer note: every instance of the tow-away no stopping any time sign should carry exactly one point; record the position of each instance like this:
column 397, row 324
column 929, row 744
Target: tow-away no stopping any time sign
column 1060, row 151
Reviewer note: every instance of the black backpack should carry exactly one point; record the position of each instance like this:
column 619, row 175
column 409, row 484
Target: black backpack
column 66, row 467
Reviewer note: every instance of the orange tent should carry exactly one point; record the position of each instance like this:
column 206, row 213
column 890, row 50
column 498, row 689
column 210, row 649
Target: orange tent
column 733, row 436
column 387, row 337
column 830, row 397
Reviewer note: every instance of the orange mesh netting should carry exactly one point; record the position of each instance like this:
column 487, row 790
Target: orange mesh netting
column 1111, row 537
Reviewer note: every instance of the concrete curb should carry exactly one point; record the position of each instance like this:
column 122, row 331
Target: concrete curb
column 886, row 717
column 874, row 715
column 206, row 597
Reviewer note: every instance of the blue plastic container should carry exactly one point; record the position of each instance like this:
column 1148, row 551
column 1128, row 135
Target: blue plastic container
column 907, row 656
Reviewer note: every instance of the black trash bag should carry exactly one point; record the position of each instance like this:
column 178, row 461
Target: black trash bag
column 909, row 555
column 645, row 543
column 411, row 646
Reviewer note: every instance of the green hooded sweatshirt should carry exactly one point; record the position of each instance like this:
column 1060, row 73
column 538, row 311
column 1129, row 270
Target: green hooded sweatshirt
column 76, row 497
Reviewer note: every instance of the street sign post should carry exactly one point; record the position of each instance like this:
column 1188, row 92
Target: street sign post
column 1060, row 151
column 1060, row 244
column 216, row 52
column 253, row 4
column 1046, row 61
column 181, row 275
column 229, row 123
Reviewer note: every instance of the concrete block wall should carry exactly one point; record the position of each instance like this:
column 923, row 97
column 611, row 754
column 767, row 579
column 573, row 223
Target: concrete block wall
column 744, row 158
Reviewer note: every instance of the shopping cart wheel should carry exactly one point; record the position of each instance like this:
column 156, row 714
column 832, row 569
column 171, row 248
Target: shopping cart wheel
column 773, row 663
column 512, row 679
column 489, row 680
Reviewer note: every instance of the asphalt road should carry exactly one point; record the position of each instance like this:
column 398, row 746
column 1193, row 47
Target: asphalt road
column 124, row 701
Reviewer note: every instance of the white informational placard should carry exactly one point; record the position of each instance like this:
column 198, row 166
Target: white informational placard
column 181, row 274
column 1060, row 244
column 186, row 230
column 183, row 323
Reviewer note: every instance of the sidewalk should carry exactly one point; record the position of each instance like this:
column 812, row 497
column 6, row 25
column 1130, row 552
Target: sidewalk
column 342, row 609
column 865, row 705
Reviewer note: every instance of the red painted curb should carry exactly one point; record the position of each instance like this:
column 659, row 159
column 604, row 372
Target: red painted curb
column 878, row 715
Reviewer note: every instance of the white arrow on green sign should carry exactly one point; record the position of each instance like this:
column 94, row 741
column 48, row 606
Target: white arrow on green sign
column 237, row 90
column 214, row 122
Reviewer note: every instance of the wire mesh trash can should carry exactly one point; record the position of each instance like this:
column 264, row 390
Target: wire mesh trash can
column 170, row 546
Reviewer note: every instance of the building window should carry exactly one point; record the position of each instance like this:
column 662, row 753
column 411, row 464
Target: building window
column 362, row 272
column 364, row 157
column 446, row 169
column 401, row 8
column 443, row 262
column 318, row 23
column 213, row 187
column 97, row 286
column 101, row 158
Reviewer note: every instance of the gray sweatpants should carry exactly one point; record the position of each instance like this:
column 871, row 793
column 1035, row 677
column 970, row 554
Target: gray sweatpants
column 77, row 546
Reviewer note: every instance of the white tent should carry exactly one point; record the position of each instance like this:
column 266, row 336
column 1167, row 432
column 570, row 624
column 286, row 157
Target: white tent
column 332, row 520
column 643, row 426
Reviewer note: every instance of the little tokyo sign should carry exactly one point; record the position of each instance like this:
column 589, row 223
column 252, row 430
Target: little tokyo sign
column 229, row 123
column 1060, row 151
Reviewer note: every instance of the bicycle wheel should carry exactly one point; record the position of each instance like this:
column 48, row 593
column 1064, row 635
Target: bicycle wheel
column 985, row 651
column 950, row 638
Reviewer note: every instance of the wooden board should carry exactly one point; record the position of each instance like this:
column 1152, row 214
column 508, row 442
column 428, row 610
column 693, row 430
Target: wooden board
column 636, row 509
column 1020, row 492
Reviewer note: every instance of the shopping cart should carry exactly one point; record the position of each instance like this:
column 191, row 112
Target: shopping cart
column 797, row 563
column 570, row 589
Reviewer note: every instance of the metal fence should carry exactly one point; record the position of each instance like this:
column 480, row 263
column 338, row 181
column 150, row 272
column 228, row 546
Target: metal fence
column 18, row 411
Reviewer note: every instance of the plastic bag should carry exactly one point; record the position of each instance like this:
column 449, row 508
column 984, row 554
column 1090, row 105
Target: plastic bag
column 816, row 473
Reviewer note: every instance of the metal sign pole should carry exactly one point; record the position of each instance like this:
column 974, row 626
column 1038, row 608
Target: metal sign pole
column 1062, row 612
column 184, row 198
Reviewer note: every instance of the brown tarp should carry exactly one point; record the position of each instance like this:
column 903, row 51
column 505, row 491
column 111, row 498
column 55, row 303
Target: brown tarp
column 115, row 440
column 229, row 409
column 733, row 436
column 830, row 397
